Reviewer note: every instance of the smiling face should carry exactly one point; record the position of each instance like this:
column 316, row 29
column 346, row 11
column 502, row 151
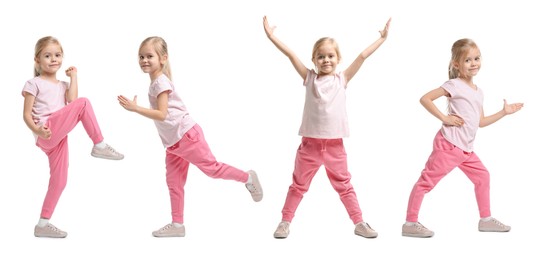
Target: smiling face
column 49, row 60
column 470, row 64
column 150, row 62
column 326, row 59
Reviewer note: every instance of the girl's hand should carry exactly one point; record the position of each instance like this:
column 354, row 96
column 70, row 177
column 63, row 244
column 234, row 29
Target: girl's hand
column 511, row 108
column 126, row 103
column 385, row 30
column 44, row 132
column 269, row 30
column 453, row 120
column 71, row 71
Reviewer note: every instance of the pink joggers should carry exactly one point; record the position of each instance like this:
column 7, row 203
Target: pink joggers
column 444, row 158
column 311, row 154
column 193, row 148
column 61, row 123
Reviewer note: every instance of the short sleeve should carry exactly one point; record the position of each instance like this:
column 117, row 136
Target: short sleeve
column 30, row 87
column 159, row 86
column 449, row 87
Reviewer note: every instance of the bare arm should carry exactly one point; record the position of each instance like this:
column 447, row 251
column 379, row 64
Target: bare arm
column 356, row 65
column 73, row 91
column 427, row 100
column 156, row 114
column 297, row 63
column 506, row 110
column 41, row 131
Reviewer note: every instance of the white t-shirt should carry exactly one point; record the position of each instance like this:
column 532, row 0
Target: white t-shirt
column 467, row 103
column 49, row 97
column 324, row 113
column 178, row 120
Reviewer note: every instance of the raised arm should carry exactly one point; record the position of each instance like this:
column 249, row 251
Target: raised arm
column 356, row 65
column 297, row 63
column 73, row 91
column 506, row 110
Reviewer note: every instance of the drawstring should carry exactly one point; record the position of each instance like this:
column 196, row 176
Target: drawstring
column 324, row 145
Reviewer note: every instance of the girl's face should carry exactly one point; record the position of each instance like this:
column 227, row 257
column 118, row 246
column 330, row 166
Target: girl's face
column 470, row 64
column 149, row 61
column 326, row 59
column 49, row 60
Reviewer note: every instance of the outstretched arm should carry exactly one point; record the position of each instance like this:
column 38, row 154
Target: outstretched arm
column 506, row 110
column 356, row 65
column 156, row 114
column 427, row 100
column 297, row 63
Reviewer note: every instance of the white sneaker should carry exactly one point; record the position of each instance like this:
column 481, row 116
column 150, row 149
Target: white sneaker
column 170, row 230
column 49, row 230
column 106, row 153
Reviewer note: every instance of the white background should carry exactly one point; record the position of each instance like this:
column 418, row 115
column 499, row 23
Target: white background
column 248, row 99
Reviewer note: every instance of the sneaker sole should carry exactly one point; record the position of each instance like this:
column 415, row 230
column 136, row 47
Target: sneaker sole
column 491, row 230
column 108, row 158
column 175, row 235
column 359, row 234
column 416, row 235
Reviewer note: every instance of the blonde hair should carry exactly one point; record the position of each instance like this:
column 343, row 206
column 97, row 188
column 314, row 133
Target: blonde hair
column 324, row 40
column 40, row 45
column 160, row 46
column 458, row 51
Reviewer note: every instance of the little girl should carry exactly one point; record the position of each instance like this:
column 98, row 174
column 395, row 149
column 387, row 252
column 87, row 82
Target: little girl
column 180, row 134
column 453, row 144
column 51, row 110
column 324, row 124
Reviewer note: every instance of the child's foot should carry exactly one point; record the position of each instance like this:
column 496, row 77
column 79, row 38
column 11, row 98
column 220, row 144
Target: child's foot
column 364, row 230
column 492, row 225
column 255, row 187
column 49, row 230
column 282, row 231
column 170, row 230
column 416, row 230
column 106, row 153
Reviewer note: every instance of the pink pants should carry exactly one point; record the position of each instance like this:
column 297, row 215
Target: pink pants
column 61, row 123
column 444, row 158
column 311, row 154
column 193, row 148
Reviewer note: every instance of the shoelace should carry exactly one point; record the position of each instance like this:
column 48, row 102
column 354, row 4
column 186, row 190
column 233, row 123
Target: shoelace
column 420, row 226
column 251, row 187
column 282, row 228
column 497, row 222
column 53, row 228
column 166, row 227
column 108, row 147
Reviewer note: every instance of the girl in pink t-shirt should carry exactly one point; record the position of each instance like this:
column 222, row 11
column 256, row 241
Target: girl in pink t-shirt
column 51, row 110
column 181, row 136
column 324, row 124
column 453, row 144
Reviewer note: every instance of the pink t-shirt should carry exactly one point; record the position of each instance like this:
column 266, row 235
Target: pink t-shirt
column 49, row 97
column 324, row 113
column 178, row 120
column 466, row 103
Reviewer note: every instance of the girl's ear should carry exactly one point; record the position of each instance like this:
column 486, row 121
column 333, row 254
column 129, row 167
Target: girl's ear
column 164, row 59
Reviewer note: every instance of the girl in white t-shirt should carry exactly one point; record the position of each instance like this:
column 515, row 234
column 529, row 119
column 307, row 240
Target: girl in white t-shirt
column 52, row 109
column 180, row 134
column 324, row 124
column 453, row 144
